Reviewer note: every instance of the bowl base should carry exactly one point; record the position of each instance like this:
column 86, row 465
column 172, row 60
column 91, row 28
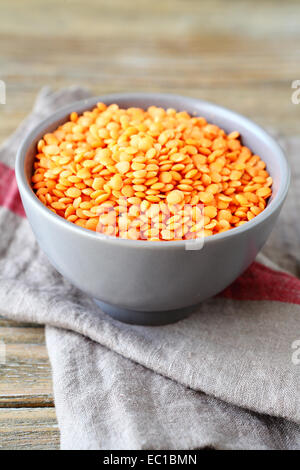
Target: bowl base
column 136, row 317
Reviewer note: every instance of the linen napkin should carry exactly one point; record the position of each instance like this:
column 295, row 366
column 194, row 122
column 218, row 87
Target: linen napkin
column 227, row 377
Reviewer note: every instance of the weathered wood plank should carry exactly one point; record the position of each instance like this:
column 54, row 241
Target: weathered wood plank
column 25, row 376
column 239, row 56
column 161, row 18
column 22, row 335
column 6, row 322
column 26, row 401
column 29, row 429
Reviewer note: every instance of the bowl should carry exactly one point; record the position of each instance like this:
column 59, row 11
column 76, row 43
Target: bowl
column 152, row 282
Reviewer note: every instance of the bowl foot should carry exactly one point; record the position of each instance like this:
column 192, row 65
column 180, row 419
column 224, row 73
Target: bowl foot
column 144, row 318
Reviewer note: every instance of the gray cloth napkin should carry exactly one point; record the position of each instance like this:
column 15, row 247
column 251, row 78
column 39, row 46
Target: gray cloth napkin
column 222, row 378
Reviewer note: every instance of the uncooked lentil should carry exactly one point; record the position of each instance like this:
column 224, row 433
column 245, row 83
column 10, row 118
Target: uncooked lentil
column 155, row 174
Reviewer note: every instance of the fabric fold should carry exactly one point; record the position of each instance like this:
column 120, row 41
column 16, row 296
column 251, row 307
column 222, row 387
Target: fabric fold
column 104, row 401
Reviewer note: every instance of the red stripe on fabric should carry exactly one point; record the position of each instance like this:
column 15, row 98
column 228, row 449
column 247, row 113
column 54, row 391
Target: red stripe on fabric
column 9, row 193
column 262, row 283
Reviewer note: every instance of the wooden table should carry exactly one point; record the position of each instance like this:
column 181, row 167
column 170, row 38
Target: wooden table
column 243, row 55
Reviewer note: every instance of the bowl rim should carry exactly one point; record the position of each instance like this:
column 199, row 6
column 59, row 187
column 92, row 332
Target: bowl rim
column 86, row 104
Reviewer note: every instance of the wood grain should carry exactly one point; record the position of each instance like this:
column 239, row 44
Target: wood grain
column 25, row 376
column 243, row 55
column 32, row 429
column 240, row 56
column 27, row 415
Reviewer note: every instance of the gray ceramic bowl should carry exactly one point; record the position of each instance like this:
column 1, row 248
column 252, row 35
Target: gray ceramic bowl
column 146, row 282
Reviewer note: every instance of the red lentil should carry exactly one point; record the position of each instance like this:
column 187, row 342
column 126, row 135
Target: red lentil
column 162, row 174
